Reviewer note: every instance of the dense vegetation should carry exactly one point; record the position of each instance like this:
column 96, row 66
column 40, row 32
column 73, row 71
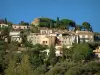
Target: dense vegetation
column 78, row 60
column 63, row 24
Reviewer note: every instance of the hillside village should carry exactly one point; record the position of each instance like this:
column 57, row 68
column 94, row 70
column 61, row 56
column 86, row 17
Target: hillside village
column 47, row 33
column 49, row 36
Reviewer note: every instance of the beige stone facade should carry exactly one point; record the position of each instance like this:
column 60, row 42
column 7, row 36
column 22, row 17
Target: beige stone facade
column 36, row 38
column 61, row 37
column 48, row 37
column 85, row 36
column 36, row 21
column 20, row 27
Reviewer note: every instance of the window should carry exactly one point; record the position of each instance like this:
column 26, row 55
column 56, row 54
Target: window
column 15, row 39
column 19, row 38
column 15, row 27
column 19, row 27
column 44, row 32
column 2, row 25
column 50, row 31
column 37, row 37
column 91, row 36
column 80, row 36
column 34, row 37
column 45, row 41
column 86, row 36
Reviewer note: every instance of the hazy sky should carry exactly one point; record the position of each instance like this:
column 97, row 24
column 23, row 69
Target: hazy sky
column 27, row 10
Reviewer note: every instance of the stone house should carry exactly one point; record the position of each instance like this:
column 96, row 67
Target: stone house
column 3, row 25
column 15, row 36
column 85, row 36
column 97, row 52
column 20, row 27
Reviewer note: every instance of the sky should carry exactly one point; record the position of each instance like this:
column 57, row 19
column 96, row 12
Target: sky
column 76, row 10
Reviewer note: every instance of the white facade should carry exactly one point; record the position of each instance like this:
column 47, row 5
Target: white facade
column 57, row 52
column 14, row 33
column 66, row 39
column 15, row 36
column 16, row 27
column 45, row 31
column 3, row 25
column 97, row 52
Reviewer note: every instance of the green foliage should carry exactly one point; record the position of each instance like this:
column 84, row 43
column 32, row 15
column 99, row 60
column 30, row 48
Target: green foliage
column 39, row 47
column 5, row 31
column 91, row 67
column 36, row 55
column 86, row 26
column 52, row 52
column 78, row 27
column 23, row 35
column 41, row 70
column 23, row 23
column 46, row 22
column 35, row 59
column 13, row 46
column 73, row 71
column 67, row 53
column 34, row 29
column 2, row 54
column 28, row 44
column 65, row 23
column 5, row 20
column 32, row 62
column 57, row 22
column 24, row 68
column 82, row 52
column 52, row 56
column 55, row 71
column 11, row 69
column 68, row 22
